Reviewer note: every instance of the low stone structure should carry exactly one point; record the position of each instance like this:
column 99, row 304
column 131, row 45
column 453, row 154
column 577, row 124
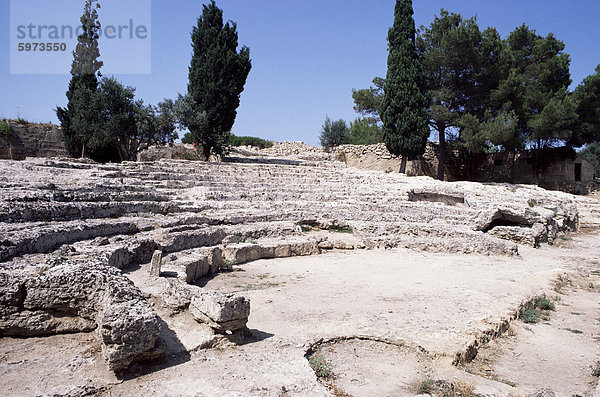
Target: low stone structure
column 32, row 140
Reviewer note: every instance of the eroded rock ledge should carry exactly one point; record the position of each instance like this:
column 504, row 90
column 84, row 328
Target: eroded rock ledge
column 67, row 228
column 81, row 297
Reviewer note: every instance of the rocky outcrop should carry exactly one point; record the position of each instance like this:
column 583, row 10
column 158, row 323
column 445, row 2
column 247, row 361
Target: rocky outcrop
column 67, row 227
column 32, row 140
column 75, row 298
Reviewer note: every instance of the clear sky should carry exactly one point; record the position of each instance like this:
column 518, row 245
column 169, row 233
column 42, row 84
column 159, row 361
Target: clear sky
column 307, row 55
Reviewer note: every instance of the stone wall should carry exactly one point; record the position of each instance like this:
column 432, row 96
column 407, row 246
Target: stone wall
column 377, row 157
column 33, row 140
column 559, row 174
column 570, row 173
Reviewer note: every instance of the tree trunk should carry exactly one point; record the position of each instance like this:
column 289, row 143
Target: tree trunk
column 403, row 165
column 206, row 152
column 512, row 166
column 442, row 159
column 83, row 150
column 10, row 155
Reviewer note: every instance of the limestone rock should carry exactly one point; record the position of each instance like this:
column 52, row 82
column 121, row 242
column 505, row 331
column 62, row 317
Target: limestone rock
column 222, row 312
column 156, row 264
column 76, row 298
column 542, row 393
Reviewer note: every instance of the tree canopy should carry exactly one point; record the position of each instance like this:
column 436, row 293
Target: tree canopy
column 488, row 93
column 404, row 106
column 217, row 75
column 334, row 133
column 102, row 119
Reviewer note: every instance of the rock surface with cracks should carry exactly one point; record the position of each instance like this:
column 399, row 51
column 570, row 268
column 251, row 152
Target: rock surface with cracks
column 68, row 226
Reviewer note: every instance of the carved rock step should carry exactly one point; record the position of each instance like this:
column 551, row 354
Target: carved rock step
column 28, row 238
column 75, row 298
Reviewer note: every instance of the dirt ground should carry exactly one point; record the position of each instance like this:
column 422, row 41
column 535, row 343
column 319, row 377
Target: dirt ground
column 382, row 322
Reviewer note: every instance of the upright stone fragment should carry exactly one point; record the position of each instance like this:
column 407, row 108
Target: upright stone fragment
column 156, row 263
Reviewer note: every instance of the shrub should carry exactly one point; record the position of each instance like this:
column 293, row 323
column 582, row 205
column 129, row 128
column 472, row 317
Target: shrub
column 249, row 141
column 365, row 131
column 544, row 303
column 187, row 138
column 321, row 366
column 426, row 387
column 529, row 316
column 194, row 154
column 334, row 133
column 5, row 131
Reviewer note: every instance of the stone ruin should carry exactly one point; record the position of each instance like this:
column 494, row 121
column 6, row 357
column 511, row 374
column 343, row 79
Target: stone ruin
column 73, row 232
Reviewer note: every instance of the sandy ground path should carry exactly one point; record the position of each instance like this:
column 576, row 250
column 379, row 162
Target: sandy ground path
column 425, row 306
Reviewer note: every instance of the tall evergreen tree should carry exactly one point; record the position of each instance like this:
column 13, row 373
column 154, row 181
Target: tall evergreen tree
column 217, row 75
column 404, row 105
column 80, row 120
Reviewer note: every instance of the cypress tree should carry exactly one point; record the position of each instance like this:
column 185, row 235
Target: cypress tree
column 217, row 75
column 404, row 107
column 80, row 120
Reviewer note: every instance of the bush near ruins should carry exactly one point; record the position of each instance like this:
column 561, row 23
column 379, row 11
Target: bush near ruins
column 5, row 131
column 334, row 133
column 102, row 119
column 592, row 153
column 322, row 367
column 249, row 141
column 365, row 131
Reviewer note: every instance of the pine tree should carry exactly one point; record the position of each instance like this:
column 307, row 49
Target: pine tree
column 217, row 75
column 404, row 108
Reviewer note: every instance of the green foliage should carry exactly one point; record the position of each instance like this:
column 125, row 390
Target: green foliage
column 587, row 97
column 322, row 367
column 217, row 76
column 502, row 130
column 106, row 123
column 343, row 229
column 462, row 65
column 404, row 106
column 131, row 126
column 187, row 138
column 544, row 303
column 529, row 316
column 473, row 137
column 533, row 314
column 365, row 131
column 592, row 153
column 6, row 131
column 536, row 88
column 334, row 133
column 426, row 386
column 86, row 54
column 249, row 141
column 81, row 120
column 367, row 101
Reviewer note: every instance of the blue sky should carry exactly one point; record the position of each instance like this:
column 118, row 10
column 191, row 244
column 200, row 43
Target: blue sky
column 307, row 55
